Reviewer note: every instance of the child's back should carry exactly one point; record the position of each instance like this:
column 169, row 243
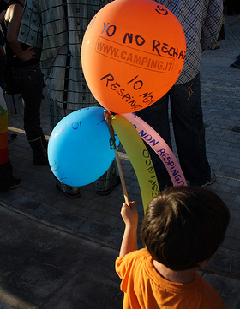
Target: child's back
column 182, row 229
column 145, row 288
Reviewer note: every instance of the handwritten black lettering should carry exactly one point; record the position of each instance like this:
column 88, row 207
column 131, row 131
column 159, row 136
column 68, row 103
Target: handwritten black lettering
column 138, row 39
column 147, row 97
column 161, row 9
column 155, row 46
column 109, row 77
column 115, row 86
column 112, row 84
column 166, row 49
column 129, row 37
column 182, row 55
column 121, row 92
column 137, row 85
column 146, row 153
column 109, row 29
column 173, row 52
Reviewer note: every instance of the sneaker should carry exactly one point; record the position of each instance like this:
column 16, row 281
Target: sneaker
column 11, row 184
column 14, row 183
column 235, row 129
column 68, row 191
column 236, row 64
column 107, row 191
column 215, row 46
column 7, row 180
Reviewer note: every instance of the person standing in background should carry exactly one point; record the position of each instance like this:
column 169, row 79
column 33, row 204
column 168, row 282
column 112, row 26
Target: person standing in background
column 201, row 21
column 57, row 28
column 24, row 77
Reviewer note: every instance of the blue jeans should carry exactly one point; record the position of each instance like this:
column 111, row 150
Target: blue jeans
column 189, row 131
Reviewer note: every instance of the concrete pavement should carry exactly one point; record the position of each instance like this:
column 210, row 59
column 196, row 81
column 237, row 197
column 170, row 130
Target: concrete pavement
column 59, row 253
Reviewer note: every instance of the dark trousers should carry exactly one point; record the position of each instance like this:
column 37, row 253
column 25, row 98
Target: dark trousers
column 189, row 131
column 28, row 81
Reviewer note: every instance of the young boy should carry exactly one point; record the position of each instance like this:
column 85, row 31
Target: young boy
column 181, row 230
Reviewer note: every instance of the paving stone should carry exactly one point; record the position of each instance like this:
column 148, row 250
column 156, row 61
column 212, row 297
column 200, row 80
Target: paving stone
column 39, row 263
column 229, row 289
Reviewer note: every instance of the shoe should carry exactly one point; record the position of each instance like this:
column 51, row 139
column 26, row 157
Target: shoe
column 106, row 183
column 39, row 151
column 215, row 46
column 14, row 182
column 12, row 137
column 105, row 192
column 236, row 64
column 68, row 191
column 7, row 180
column 235, row 129
column 44, row 141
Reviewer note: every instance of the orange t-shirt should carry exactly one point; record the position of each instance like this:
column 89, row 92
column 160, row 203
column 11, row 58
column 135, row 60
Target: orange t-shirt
column 144, row 288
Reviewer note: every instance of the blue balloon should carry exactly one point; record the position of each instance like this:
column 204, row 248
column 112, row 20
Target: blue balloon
column 79, row 149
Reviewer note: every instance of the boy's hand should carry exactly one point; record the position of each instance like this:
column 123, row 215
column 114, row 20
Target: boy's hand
column 130, row 215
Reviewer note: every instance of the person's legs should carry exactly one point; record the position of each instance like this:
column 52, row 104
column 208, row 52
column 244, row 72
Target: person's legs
column 189, row 131
column 31, row 84
column 56, row 115
column 56, row 112
column 157, row 116
column 32, row 95
column 110, row 179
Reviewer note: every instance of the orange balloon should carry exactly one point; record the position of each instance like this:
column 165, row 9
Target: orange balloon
column 132, row 53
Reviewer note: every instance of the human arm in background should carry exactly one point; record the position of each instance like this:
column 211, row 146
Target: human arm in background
column 31, row 26
column 130, row 218
column 212, row 24
column 13, row 17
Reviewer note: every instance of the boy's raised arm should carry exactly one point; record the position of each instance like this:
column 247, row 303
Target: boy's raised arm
column 130, row 218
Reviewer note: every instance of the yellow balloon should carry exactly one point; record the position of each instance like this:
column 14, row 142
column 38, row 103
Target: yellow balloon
column 139, row 158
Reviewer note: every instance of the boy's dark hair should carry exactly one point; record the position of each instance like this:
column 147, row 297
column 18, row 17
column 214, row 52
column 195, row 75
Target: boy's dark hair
column 184, row 226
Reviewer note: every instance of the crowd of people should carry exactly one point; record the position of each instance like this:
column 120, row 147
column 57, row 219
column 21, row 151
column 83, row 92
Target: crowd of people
column 40, row 47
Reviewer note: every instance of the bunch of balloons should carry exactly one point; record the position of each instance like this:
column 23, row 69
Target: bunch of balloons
column 132, row 53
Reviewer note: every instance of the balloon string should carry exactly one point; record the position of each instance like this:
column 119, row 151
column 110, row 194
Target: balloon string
column 118, row 161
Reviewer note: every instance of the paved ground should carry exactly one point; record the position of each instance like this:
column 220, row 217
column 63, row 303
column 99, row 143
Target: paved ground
column 59, row 253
